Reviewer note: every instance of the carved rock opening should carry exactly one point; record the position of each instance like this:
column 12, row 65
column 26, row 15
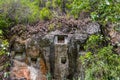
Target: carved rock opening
column 63, row 60
column 60, row 39
column 34, row 60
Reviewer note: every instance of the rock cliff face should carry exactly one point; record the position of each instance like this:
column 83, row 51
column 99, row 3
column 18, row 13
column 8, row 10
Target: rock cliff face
column 49, row 50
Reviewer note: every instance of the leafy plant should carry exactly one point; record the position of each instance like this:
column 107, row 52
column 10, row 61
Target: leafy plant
column 4, row 47
column 49, row 76
column 100, row 63
column 4, row 22
column 45, row 14
column 106, row 11
column 93, row 42
column 4, row 55
column 48, row 4
column 102, row 11
column 57, row 3
column 78, row 6
column 19, row 11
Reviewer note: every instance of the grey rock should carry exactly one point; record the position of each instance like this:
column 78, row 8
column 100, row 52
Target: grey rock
column 81, row 37
column 93, row 28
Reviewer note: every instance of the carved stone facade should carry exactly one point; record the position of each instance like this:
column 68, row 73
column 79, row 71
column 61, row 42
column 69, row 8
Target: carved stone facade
column 56, row 52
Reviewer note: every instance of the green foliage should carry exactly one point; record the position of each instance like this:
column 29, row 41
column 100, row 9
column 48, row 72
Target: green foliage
column 18, row 11
column 4, row 47
column 102, row 11
column 4, row 22
column 27, row 11
column 48, row 4
column 1, row 32
column 94, row 16
column 6, row 74
column 49, row 76
column 51, row 26
column 54, row 4
column 117, row 27
column 78, row 6
column 102, row 63
column 37, row 2
column 57, row 3
column 3, row 44
column 93, row 42
column 45, row 14
column 106, row 11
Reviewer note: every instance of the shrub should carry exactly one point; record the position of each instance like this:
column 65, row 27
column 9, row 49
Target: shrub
column 4, row 22
column 105, row 11
column 100, row 63
column 78, row 6
column 3, row 47
column 20, row 11
column 45, row 14
column 48, row 4
column 94, row 41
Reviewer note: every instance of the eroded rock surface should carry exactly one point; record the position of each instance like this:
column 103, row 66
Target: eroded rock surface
column 19, row 71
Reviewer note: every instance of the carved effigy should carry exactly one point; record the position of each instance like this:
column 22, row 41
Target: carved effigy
column 61, row 57
column 33, row 53
column 18, row 51
column 24, row 55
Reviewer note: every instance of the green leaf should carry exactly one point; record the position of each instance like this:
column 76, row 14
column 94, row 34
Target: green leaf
column 0, row 32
